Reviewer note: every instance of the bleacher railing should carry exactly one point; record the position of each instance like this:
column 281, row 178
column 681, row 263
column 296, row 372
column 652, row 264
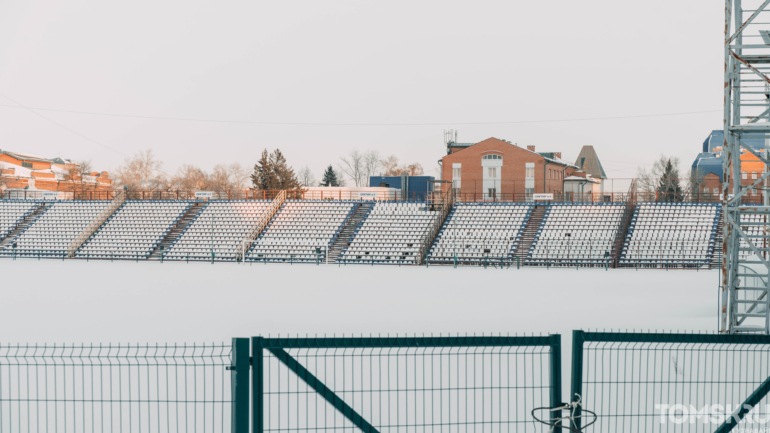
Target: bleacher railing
column 120, row 198
column 445, row 202
column 267, row 215
column 625, row 223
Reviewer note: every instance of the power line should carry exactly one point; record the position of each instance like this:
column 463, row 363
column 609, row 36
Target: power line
column 362, row 124
column 31, row 110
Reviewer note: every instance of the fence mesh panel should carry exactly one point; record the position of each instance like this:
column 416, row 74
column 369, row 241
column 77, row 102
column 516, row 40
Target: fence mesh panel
column 676, row 382
column 406, row 389
column 115, row 388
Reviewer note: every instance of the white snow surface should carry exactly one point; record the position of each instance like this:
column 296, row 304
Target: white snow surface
column 74, row 301
column 99, row 301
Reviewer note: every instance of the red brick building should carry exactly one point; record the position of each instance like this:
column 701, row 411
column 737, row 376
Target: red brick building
column 496, row 169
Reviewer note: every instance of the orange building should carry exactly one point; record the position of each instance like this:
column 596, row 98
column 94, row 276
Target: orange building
column 26, row 171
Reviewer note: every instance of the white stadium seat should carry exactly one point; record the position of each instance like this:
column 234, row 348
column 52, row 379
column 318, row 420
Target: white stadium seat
column 577, row 234
column 478, row 232
column 392, row 233
column 671, row 233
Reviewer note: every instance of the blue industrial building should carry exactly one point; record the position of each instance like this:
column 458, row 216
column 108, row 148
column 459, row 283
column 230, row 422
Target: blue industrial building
column 415, row 187
column 710, row 159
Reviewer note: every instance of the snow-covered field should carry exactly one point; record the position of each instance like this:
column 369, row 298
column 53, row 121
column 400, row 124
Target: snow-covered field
column 52, row 301
column 79, row 301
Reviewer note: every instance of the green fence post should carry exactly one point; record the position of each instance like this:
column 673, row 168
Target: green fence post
column 137, row 257
column 455, row 261
column 239, row 379
column 257, row 383
column 555, row 378
column 578, row 337
column 518, row 262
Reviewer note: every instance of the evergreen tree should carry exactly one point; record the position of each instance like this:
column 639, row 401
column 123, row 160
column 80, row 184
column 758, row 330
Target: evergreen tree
column 285, row 177
column 272, row 172
column 330, row 178
column 669, row 189
column 264, row 177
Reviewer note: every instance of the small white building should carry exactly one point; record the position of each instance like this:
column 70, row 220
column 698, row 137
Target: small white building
column 582, row 187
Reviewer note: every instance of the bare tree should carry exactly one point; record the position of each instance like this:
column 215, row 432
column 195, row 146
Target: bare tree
column 238, row 176
column 79, row 176
column 371, row 164
column 413, row 169
column 390, row 166
column 3, row 179
column 190, row 178
column 306, row 177
column 693, row 185
column 658, row 177
column 142, row 171
column 354, row 167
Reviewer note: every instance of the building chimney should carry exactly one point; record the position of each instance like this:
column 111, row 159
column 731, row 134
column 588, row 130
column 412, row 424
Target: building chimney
column 557, row 154
column 532, row 148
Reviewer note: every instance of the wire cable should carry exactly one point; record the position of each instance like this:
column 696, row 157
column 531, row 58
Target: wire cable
column 364, row 124
column 32, row 110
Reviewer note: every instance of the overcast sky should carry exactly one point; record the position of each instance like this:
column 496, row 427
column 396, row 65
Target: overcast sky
column 439, row 64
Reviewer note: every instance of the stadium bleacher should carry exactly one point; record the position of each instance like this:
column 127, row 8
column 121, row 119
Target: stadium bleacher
column 134, row 230
column 383, row 232
column 577, row 233
column 299, row 228
column 671, row 233
column 218, row 229
column 12, row 212
column 474, row 232
column 392, row 233
column 55, row 228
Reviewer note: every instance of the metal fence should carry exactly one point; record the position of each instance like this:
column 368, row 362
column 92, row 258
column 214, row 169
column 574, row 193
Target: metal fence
column 645, row 382
column 416, row 384
column 115, row 388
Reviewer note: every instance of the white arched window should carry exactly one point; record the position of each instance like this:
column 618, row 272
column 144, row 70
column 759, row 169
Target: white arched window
column 492, row 157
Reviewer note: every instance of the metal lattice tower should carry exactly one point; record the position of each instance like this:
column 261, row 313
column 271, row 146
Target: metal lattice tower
column 745, row 265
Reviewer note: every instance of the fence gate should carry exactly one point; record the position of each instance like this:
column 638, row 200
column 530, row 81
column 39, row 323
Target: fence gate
column 420, row 384
column 638, row 382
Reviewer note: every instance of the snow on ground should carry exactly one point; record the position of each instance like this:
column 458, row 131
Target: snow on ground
column 99, row 301
column 74, row 301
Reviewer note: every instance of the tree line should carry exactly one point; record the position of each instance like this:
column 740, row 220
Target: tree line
column 145, row 171
column 663, row 180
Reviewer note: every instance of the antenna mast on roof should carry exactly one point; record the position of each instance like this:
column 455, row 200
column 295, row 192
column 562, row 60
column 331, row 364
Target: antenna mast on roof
column 744, row 306
column 450, row 136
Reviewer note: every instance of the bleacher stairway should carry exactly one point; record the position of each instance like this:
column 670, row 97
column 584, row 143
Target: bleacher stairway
column 346, row 235
column 177, row 230
column 529, row 232
column 29, row 219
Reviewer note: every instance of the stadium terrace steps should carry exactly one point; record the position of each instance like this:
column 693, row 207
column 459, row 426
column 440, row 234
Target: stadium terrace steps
column 716, row 257
column 530, row 231
column 349, row 230
column 176, row 231
column 23, row 224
